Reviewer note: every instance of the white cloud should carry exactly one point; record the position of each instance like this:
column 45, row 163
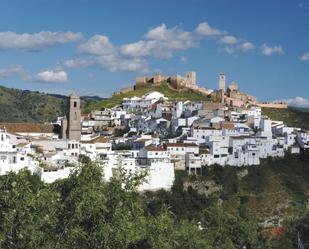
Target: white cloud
column 161, row 42
column 52, row 76
column 162, row 33
column 267, row 50
column 79, row 62
column 11, row 71
column 118, row 63
column 103, row 54
column 243, row 47
column 304, row 57
column 298, row 102
column 228, row 39
column 246, row 46
column 109, row 62
column 36, row 41
column 204, row 29
column 48, row 76
column 137, row 49
column 183, row 59
column 97, row 45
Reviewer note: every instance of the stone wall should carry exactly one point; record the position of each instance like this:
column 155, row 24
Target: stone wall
column 124, row 90
column 273, row 105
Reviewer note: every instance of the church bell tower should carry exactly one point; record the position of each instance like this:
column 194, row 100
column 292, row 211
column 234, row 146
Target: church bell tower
column 73, row 117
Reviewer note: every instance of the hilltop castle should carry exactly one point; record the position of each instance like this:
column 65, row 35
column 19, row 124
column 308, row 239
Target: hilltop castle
column 228, row 95
column 177, row 82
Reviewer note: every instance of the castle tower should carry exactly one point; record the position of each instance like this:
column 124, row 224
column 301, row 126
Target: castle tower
column 73, row 117
column 157, row 78
column 222, row 81
column 191, row 78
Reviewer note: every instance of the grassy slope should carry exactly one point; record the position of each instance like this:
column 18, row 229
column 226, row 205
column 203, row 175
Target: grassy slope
column 163, row 88
column 291, row 116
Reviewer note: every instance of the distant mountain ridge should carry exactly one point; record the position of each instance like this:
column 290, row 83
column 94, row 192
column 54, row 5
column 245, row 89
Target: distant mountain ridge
column 32, row 106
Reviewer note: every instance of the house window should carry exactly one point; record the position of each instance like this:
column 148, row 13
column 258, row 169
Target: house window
column 22, row 159
column 69, row 146
column 75, row 104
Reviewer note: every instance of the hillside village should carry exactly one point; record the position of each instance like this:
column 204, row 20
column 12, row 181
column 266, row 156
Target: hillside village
column 153, row 134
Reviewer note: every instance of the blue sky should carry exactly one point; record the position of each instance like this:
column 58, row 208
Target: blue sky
column 97, row 47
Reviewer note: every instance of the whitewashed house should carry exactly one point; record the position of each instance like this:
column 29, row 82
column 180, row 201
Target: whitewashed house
column 303, row 139
column 178, row 152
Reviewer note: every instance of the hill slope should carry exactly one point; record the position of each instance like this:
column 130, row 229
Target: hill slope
column 163, row 88
column 269, row 193
column 29, row 106
column 291, row 116
column 26, row 106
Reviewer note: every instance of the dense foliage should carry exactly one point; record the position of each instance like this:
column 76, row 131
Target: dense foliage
column 84, row 211
column 264, row 199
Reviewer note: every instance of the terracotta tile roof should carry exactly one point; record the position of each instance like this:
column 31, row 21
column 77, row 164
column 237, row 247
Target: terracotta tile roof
column 50, row 168
column 28, row 127
column 22, row 144
column 153, row 148
column 228, row 125
column 203, row 151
